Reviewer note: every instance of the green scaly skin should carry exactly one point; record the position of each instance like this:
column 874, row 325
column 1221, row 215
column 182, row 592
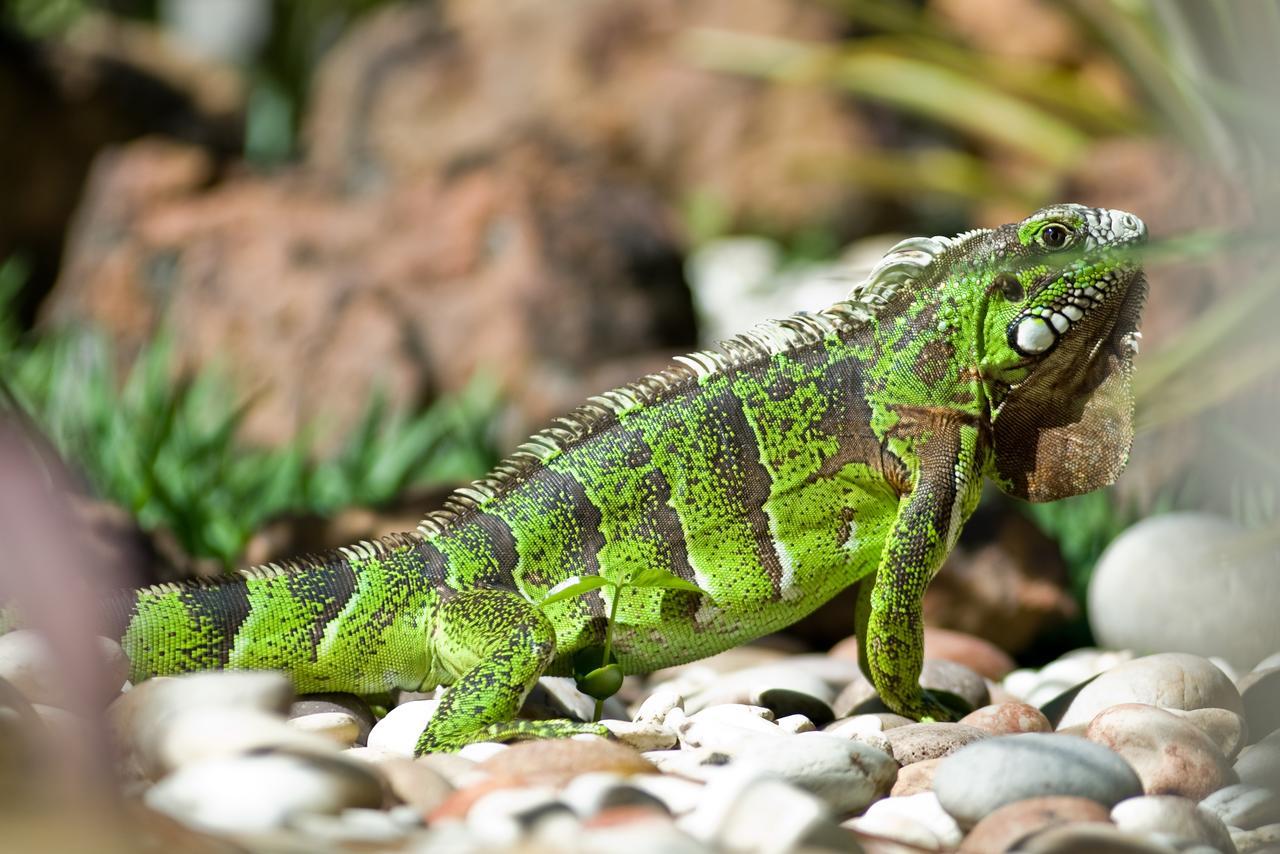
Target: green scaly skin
column 845, row 447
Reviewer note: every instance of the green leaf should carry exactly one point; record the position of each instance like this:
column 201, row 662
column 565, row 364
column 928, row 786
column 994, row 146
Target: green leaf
column 656, row 577
column 574, row 585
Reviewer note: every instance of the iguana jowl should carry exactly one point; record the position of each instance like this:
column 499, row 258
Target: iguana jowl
column 843, row 447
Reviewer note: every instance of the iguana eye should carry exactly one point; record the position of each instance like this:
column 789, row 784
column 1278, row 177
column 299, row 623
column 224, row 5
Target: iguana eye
column 1010, row 288
column 1054, row 236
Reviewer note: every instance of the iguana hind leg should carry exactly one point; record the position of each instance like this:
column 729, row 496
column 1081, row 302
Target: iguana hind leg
column 496, row 644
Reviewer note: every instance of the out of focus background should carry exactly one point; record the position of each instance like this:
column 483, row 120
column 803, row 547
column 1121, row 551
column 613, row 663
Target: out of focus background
column 276, row 274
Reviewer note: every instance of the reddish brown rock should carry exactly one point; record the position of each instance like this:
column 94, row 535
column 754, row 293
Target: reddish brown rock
column 915, row 778
column 1003, row 829
column 978, row 654
column 1008, row 719
column 468, row 75
column 1170, row 755
column 312, row 300
column 560, row 760
column 1006, row 587
column 457, row 804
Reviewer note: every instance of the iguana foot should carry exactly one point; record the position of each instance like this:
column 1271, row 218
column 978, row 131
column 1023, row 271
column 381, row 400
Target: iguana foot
column 508, row 731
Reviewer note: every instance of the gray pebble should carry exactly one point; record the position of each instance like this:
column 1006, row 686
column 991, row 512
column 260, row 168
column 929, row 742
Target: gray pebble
column 656, row 706
column 1259, row 763
column 339, row 727
column 1260, row 691
column 845, row 774
column 1244, row 806
column 642, row 736
column 986, row 775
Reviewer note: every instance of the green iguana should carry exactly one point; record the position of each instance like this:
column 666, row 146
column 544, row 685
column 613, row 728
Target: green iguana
column 836, row 448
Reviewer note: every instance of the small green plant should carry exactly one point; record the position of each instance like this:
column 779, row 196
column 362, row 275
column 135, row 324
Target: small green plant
column 602, row 678
column 167, row 447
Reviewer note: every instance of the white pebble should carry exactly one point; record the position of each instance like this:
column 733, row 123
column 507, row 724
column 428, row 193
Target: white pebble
column 656, row 706
column 400, row 730
column 924, row 809
column 795, row 724
column 244, row 794
column 479, row 751
column 642, row 736
column 197, row 735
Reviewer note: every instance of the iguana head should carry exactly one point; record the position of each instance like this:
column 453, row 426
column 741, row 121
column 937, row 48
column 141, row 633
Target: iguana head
column 1064, row 290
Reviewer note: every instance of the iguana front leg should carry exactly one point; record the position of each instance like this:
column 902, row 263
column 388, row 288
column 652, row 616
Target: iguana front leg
column 928, row 520
column 496, row 645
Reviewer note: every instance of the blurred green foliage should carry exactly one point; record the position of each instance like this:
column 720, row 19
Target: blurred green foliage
column 166, row 447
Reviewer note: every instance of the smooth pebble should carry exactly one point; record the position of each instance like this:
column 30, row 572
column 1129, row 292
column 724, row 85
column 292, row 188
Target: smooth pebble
column 1170, row 755
column 401, row 728
column 1173, row 680
column 256, row 793
column 1004, row 828
column 339, row 727
column 924, row 809
column 747, row 810
column 984, row 776
column 1008, row 719
column 1171, row 819
column 1260, row 692
column 1244, row 806
column 197, row 735
column 642, row 735
column 918, row 742
column 1259, row 763
column 1151, row 585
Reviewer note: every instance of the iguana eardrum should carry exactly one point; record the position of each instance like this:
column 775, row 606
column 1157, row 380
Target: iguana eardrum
column 843, row 447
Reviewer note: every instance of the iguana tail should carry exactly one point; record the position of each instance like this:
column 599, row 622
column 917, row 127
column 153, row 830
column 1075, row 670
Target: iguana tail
column 355, row 619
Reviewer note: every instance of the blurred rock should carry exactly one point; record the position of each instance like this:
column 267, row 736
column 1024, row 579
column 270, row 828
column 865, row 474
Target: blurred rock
column 1186, row 582
column 61, row 102
column 536, row 264
column 416, row 88
column 1005, row 582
